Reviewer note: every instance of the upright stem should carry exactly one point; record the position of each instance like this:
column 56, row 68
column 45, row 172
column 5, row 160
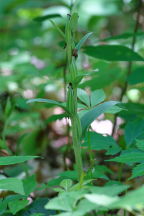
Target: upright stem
column 129, row 67
column 72, row 97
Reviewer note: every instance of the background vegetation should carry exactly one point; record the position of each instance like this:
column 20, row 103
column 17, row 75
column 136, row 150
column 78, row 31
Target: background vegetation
column 37, row 160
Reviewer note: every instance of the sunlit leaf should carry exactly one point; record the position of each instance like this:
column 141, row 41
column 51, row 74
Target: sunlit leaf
column 12, row 184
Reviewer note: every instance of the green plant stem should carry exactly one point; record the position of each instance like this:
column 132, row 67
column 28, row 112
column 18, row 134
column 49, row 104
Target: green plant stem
column 77, row 149
column 90, row 154
column 120, row 172
column 72, row 98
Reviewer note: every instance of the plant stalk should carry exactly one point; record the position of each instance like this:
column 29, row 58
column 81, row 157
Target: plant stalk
column 72, row 97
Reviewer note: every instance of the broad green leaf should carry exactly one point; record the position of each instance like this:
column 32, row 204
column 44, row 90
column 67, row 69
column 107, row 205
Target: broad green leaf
column 46, row 17
column 8, row 160
column 135, row 110
column 106, row 74
column 37, row 207
column 101, row 199
column 100, row 142
column 69, row 174
column 83, row 96
column 17, row 205
column 137, row 76
column 65, row 201
column 132, row 200
column 54, row 182
column 12, row 184
column 91, row 115
column 115, row 109
column 82, row 41
column 137, row 171
column 83, row 207
column 113, row 53
column 133, row 130
column 129, row 157
column 97, row 97
column 111, row 190
column 29, row 184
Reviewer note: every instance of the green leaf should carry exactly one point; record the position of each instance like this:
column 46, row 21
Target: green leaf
column 100, row 171
column 101, row 199
column 3, row 206
column 137, row 76
column 97, row 97
column 12, row 184
column 17, row 205
column 41, row 100
column 37, row 207
column 9, row 160
column 137, row 171
column 100, row 142
column 91, row 115
column 69, row 174
column 66, row 184
column 46, row 17
column 65, row 201
column 132, row 200
column 56, row 117
column 83, row 207
column 140, row 144
column 112, row 53
column 122, row 36
column 111, row 190
column 105, row 196
column 29, row 184
column 115, row 109
column 106, row 74
column 83, row 96
column 129, row 157
column 83, row 40
column 134, row 129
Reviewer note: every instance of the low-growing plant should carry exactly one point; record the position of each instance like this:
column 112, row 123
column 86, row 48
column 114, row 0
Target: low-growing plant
column 95, row 185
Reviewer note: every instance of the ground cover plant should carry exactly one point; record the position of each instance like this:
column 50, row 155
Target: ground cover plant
column 71, row 108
